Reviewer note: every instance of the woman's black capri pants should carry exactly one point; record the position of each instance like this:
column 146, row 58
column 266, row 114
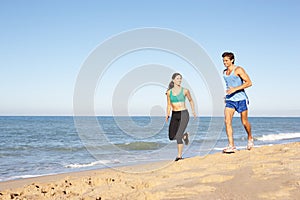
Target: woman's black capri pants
column 178, row 124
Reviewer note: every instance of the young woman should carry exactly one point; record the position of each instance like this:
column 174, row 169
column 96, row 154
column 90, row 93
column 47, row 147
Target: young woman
column 176, row 96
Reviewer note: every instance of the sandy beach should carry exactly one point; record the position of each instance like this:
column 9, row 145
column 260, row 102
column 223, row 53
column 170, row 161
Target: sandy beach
column 269, row 172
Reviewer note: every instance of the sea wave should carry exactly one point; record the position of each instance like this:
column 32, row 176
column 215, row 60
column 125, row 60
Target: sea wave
column 140, row 146
column 279, row 136
column 237, row 147
column 23, row 177
column 83, row 165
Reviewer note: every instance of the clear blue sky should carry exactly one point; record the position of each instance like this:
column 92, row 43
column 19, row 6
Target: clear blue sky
column 43, row 45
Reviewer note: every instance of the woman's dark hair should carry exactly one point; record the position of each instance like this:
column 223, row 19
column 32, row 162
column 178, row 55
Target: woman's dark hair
column 171, row 84
column 230, row 55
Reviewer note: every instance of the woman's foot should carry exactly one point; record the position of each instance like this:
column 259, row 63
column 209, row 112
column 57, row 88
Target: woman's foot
column 178, row 158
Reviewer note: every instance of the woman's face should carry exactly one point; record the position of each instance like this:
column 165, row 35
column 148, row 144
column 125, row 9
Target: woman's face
column 177, row 80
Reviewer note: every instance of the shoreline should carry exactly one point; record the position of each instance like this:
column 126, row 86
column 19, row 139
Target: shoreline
column 267, row 172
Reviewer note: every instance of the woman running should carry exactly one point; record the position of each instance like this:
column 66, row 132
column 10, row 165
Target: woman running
column 176, row 96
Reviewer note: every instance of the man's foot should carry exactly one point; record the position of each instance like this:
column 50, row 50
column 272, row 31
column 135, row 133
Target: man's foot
column 186, row 138
column 178, row 158
column 229, row 149
column 250, row 144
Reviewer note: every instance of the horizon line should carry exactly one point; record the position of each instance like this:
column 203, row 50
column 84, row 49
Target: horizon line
column 292, row 116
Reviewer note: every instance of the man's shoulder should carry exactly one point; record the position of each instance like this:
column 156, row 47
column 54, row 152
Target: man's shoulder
column 239, row 69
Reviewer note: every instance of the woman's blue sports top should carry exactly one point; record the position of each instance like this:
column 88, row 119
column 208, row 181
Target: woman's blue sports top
column 178, row 98
column 234, row 81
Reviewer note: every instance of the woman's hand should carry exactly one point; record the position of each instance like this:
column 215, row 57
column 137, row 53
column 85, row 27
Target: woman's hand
column 194, row 114
column 167, row 118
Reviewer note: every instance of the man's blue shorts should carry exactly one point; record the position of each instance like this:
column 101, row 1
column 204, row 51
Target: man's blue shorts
column 239, row 106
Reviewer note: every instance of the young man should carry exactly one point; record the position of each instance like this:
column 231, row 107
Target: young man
column 236, row 99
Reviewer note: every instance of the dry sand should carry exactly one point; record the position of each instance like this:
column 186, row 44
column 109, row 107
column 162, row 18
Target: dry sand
column 270, row 172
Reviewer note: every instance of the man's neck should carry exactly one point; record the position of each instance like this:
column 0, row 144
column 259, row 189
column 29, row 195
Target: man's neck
column 230, row 67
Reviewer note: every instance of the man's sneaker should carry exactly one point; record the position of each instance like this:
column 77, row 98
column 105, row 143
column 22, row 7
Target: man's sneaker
column 250, row 144
column 229, row 149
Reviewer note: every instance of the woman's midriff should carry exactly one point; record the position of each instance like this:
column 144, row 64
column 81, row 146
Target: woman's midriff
column 178, row 106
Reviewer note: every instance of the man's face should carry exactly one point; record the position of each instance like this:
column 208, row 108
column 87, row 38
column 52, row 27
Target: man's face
column 227, row 62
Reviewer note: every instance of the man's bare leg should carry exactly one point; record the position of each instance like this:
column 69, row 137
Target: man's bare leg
column 229, row 112
column 247, row 126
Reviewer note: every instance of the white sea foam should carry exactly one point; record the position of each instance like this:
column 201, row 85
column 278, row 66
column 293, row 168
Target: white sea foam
column 100, row 162
column 238, row 147
column 23, row 177
column 279, row 136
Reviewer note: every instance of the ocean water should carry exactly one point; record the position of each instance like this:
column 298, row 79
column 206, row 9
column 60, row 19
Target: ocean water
column 35, row 146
